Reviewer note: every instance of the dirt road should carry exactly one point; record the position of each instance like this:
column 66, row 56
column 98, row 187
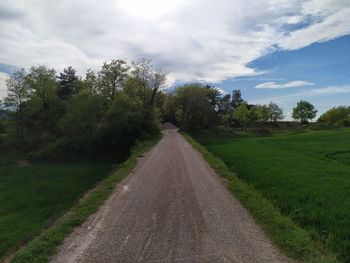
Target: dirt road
column 172, row 208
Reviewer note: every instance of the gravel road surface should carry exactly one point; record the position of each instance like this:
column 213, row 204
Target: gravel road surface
column 171, row 208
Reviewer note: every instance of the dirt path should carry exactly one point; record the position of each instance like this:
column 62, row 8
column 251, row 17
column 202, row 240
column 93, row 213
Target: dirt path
column 172, row 208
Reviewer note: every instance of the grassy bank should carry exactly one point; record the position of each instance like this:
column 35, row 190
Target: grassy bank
column 290, row 237
column 43, row 246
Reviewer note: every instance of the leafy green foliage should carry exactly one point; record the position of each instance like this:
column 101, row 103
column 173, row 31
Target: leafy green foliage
column 68, row 83
column 193, row 106
column 336, row 116
column 242, row 115
column 304, row 112
column 111, row 78
column 61, row 117
column 304, row 175
column 274, row 112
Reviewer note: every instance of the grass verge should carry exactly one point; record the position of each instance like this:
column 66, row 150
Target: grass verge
column 45, row 245
column 35, row 195
column 294, row 241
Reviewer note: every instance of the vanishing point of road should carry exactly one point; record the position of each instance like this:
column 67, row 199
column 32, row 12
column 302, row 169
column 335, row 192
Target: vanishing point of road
column 171, row 208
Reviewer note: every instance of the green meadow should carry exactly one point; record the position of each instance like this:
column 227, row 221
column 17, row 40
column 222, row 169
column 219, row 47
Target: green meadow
column 305, row 175
column 33, row 196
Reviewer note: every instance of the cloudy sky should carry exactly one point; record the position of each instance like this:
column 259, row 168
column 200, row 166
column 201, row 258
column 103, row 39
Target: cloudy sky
column 273, row 50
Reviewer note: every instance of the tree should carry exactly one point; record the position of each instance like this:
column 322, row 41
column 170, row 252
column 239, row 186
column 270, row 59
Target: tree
column 193, row 107
column 145, row 82
column 18, row 94
column 224, row 105
column 242, row 115
column 90, row 83
column 228, row 118
column 304, row 111
column 42, row 84
column 111, row 78
column 214, row 96
column 124, row 122
column 81, row 122
column 67, row 83
column 43, row 108
column 168, row 110
column 336, row 116
column 275, row 113
column 236, row 98
column 261, row 113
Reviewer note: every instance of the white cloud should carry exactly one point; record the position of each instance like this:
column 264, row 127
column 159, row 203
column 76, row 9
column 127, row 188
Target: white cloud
column 311, row 93
column 290, row 84
column 330, row 90
column 3, row 89
column 331, row 20
column 198, row 40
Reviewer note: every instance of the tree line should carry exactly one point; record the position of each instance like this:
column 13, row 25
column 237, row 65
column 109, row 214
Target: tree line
column 201, row 106
column 63, row 115
column 198, row 105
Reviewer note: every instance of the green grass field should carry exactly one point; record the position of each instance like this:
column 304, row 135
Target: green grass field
column 306, row 176
column 32, row 197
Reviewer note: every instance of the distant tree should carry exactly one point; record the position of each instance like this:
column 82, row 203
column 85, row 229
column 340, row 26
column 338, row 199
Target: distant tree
column 43, row 109
column 90, row 82
column 275, row 113
column 304, row 112
column 214, row 95
column 336, row 116
column 224, row 105
column 111, row 78
column 67, row 83
column 242, row 115
column 193, row 108
column 18, row 94
column 228, row 118
column 145, row 81
column 236, row 98
column 261, row 113
column 42, row 84
column 168, row 109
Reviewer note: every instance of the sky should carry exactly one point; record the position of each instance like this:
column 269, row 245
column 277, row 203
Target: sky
column 272, row 50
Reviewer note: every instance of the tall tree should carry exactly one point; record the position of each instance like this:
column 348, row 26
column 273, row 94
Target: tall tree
column 236, row 98
column 275, row 112
column 90, row 83
column 261, row 113
column 145, row 81
column 111, row 77
column 18, row 94
column 67, row 83
column 193, row 107
column 214, row 96
column 242, row 115
column 44, row 108
column 42, row 84
column 224, row 105
column 304, row 112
